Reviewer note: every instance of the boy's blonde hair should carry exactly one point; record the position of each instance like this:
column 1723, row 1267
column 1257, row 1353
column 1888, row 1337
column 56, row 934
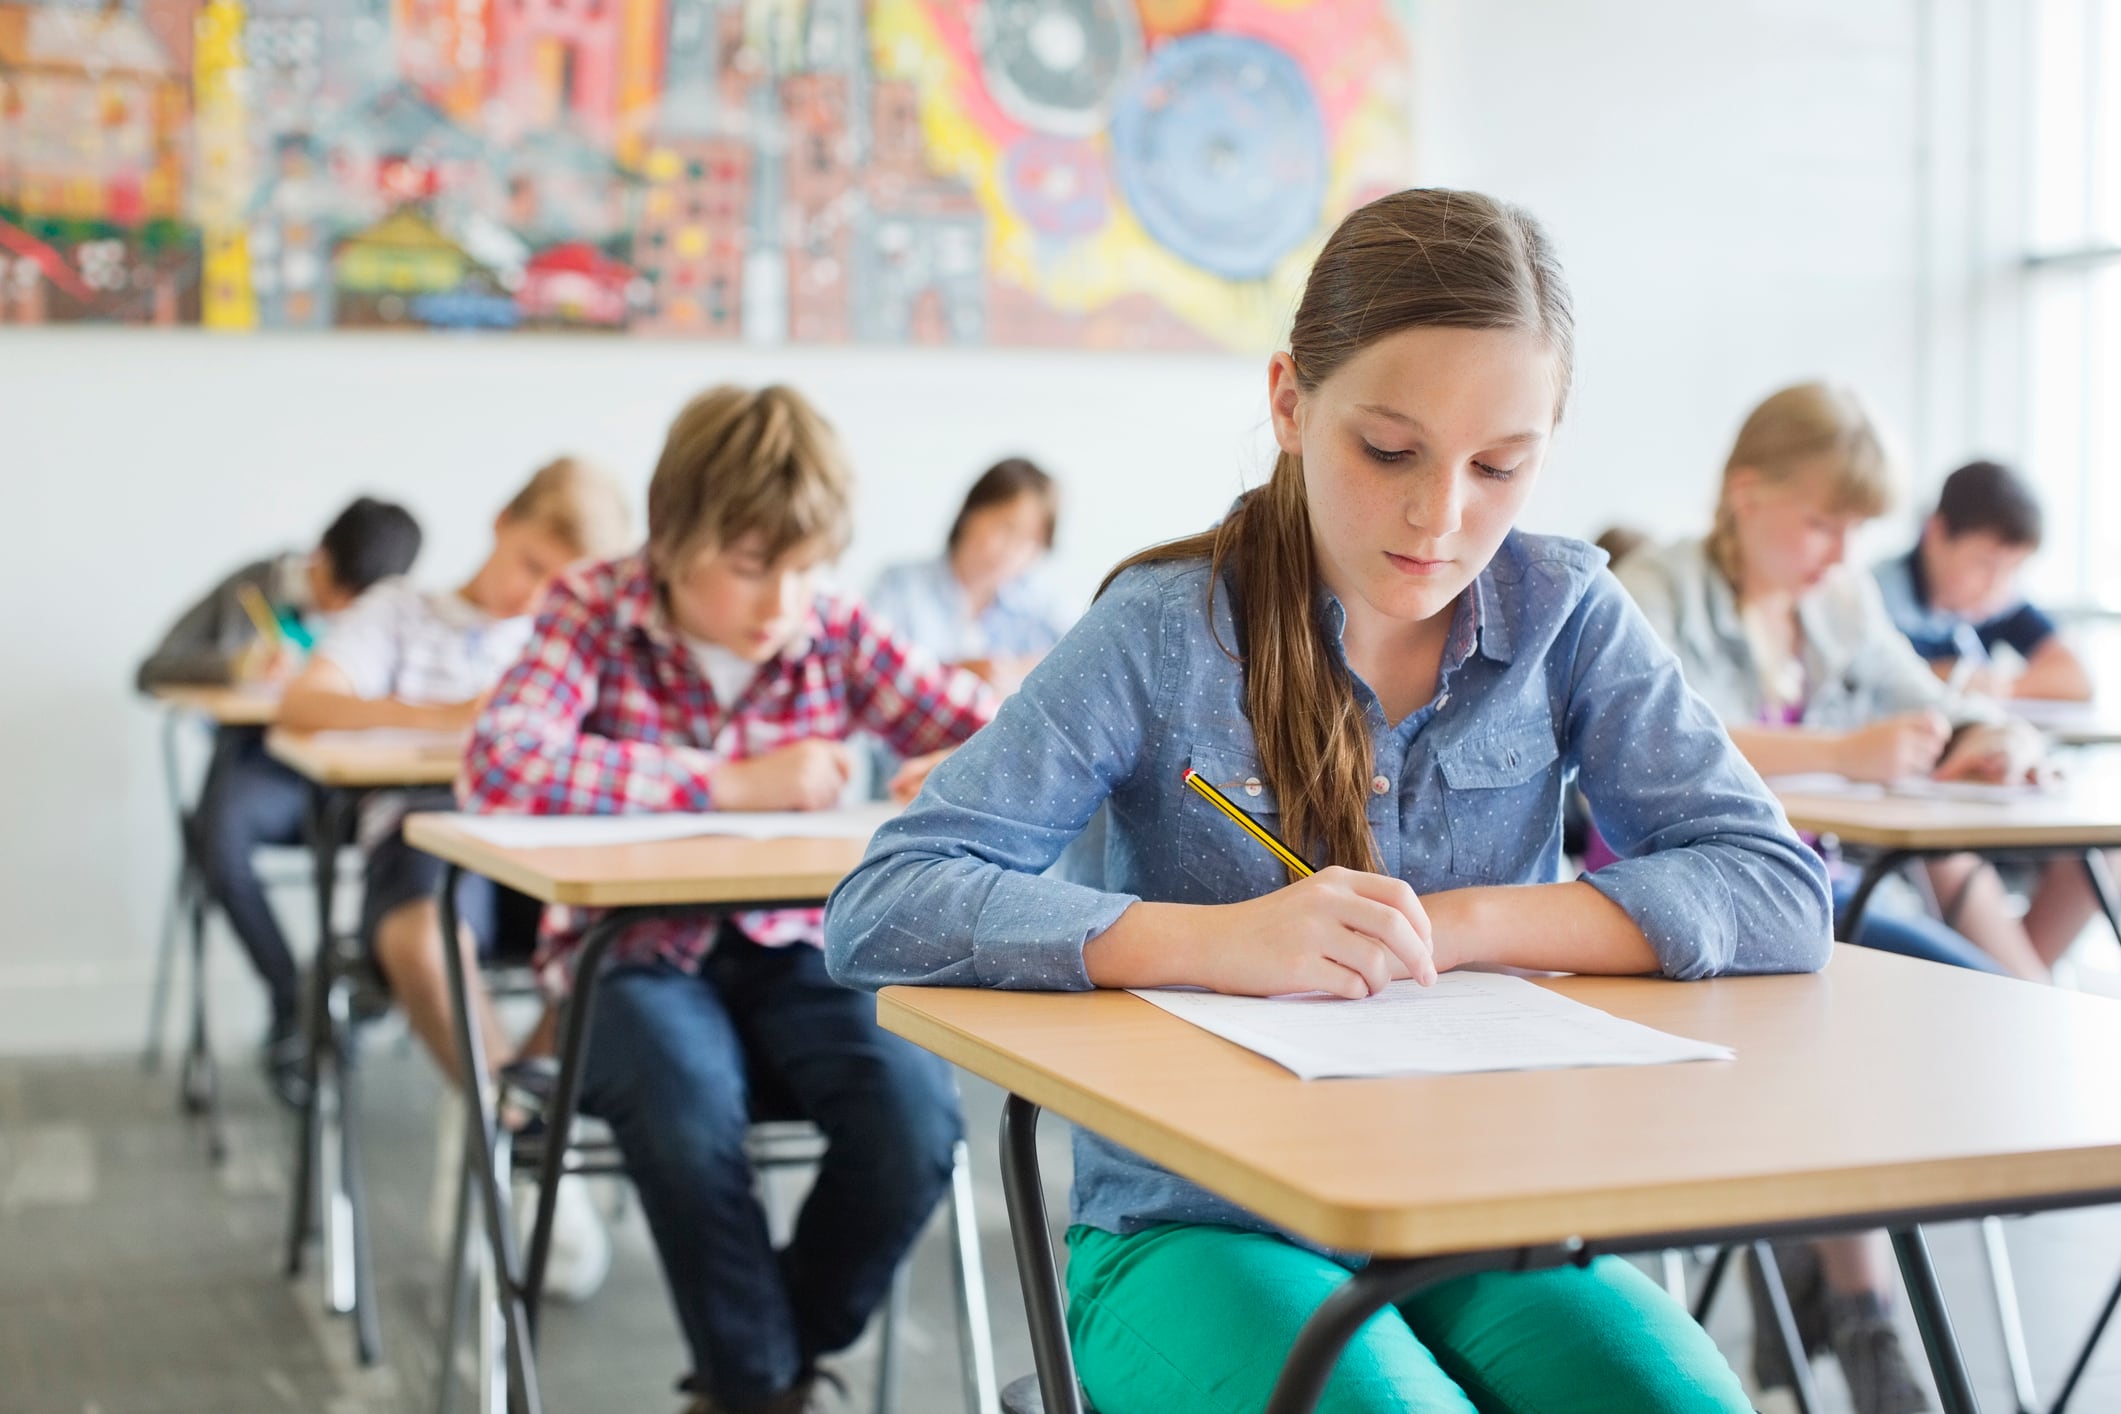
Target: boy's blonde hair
column 739, row 462
column 1808, row 426
column 577, row 503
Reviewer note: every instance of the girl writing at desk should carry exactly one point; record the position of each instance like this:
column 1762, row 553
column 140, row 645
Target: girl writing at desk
column 1368, row 655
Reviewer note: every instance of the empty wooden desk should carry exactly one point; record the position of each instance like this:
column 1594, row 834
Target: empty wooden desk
column 1857, row 1100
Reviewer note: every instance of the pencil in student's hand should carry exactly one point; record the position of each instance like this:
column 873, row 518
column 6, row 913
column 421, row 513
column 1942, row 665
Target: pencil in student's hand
column 1251, row 826
column 261, row 615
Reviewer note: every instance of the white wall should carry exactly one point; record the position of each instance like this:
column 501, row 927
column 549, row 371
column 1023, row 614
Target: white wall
column 1734, row 188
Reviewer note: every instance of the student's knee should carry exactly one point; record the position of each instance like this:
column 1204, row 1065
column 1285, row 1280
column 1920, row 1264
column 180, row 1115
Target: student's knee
column 1601, row 1339
column 1199, row 1319
column 904, row 1122
column 676, row 1096
column 407, row 940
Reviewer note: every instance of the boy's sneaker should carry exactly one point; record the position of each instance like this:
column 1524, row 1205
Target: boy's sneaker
column 580, row 1257
column 284, row 1057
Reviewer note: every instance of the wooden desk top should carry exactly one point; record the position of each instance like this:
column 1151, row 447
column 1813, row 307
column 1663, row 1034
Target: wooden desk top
column 703, row 870
column 1881, row 1084
column 368, row 761
column 2079, row 813
column 224, row 706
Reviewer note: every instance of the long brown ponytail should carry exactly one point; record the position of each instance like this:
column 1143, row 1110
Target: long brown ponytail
column 1425, row 258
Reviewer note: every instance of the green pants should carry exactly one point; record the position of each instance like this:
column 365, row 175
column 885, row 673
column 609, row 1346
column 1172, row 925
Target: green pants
column 1192, row 1319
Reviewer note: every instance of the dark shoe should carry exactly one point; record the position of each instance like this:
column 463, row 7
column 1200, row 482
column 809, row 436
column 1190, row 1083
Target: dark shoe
column 1866, row 1343
column 285, row 1058
column 805, row 1396
column 1805, row 1283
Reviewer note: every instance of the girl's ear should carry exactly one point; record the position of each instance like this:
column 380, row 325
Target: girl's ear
column 1741, row 488
column 1285, row 403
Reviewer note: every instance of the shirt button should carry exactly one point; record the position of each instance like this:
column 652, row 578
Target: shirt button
column 1379, row 785
column 1253, row 787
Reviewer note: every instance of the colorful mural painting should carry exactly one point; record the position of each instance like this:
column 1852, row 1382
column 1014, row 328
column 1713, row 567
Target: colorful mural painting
column 1107, row 173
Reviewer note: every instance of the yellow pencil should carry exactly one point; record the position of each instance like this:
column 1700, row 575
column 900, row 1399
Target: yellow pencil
column 261, row 615
column 1252, row 827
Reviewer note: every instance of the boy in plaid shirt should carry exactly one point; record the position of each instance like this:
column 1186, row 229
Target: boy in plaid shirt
column 708, row 672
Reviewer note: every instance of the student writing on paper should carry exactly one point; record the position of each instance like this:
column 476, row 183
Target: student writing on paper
column 1955, row 595
column 981, row 604
column 1366, row 653
column 411, row 657
column 711, row 672
column 1793, row 649
column 249, row 799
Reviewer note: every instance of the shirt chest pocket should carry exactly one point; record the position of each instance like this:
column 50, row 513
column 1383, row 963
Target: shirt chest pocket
column 1502, row 803
column 1222, row 860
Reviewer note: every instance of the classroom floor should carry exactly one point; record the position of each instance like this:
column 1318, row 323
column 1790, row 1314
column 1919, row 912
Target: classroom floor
column 134, row 1278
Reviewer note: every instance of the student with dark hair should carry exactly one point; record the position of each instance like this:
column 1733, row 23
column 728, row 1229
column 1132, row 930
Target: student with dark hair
column 980, row 604
column 249, row 799
column 1955, row 595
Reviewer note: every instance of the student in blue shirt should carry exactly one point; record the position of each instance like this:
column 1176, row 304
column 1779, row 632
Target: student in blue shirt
column 1955, row 595
column 981, row 604
column 1369, row 656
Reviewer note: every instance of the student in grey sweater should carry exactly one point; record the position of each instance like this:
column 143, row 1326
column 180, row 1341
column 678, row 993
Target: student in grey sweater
column 249, row 799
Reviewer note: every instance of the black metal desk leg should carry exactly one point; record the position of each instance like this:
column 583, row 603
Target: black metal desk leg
column 2102, row 877
column 1035, row 1268
column 1785, row 1330
column 1874, row 874
column 566, row 1099
column 482, row 1133
column 324, row 834
column 2084, row 1356
column 1954, row 1389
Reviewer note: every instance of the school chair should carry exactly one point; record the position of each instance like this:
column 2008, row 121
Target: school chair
column 514, row 1281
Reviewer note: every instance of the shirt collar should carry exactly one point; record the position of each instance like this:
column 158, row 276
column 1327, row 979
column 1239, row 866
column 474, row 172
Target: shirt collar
column 1477, row 625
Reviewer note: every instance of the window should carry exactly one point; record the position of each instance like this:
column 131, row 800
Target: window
column 2073, row 295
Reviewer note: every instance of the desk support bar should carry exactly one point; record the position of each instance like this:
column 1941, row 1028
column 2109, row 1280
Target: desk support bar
column 482, row 1134
column 1035, row 1268
column 1954, row 1389
column 1376, row 1286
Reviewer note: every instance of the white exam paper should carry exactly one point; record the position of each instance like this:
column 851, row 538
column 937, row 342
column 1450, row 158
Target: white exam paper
column 1467, row 1021
column 565, row 831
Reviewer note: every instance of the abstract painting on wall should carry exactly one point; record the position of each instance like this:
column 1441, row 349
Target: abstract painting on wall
column 1100, row 173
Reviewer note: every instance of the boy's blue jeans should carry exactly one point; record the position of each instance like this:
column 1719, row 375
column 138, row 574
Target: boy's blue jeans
column 249, row 800
column 680, row 1064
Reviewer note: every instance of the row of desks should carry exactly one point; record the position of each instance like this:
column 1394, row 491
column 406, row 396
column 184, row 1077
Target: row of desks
column 1878, row 1092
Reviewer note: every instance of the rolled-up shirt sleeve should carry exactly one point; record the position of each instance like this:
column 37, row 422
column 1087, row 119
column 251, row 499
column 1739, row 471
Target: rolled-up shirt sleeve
column 1709, row 868
column 952, row 892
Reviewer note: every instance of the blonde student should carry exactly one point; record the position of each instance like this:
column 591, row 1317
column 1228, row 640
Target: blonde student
column 404, row 656
column 1368, row 655
column 712, row 671
column 1794, row 650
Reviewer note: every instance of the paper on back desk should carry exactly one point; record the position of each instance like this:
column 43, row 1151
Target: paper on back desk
column 1468, row 1021
column 567, row 831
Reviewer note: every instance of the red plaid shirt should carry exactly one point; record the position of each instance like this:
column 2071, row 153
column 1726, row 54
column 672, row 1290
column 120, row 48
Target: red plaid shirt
column 608, row 713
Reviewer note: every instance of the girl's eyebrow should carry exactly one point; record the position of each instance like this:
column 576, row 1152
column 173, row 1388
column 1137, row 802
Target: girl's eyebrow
column 1392, row 415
